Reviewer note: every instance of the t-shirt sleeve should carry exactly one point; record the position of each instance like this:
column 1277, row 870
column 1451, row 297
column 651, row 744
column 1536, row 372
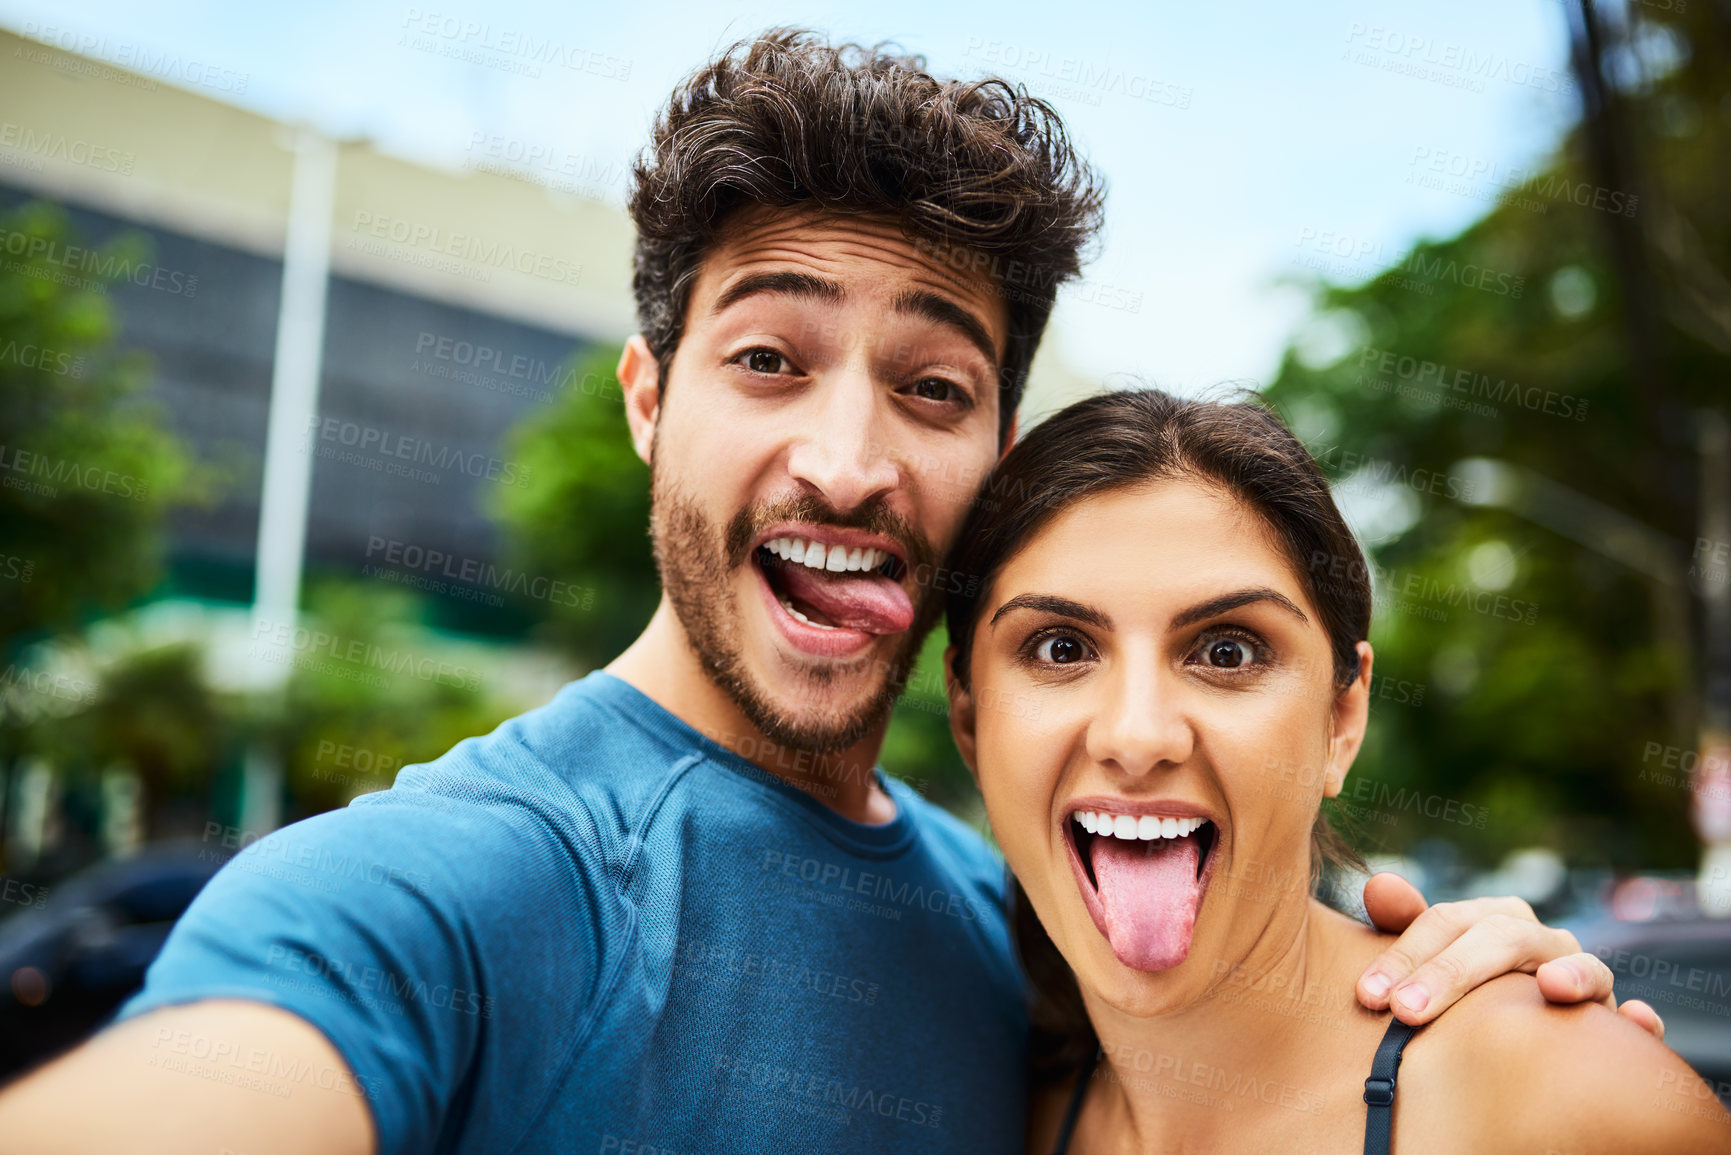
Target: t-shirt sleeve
column 389, row 929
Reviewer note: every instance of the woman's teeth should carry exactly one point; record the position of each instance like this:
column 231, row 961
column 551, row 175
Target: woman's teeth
column 1128, row 826
column 835, row 558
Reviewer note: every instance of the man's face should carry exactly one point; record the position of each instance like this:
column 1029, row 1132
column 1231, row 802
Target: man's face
column 829, row 413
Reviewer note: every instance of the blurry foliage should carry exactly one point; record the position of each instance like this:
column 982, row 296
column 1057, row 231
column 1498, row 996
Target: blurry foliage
column 340, row 732
column 88, row 470
column 1543, row 724
column 584, row 517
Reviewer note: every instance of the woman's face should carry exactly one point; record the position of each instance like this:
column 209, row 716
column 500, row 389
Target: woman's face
column 1153, row 723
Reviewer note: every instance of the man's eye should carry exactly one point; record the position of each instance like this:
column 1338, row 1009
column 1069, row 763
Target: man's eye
column 1061, row 650
column 936, row 389
column 765, row 361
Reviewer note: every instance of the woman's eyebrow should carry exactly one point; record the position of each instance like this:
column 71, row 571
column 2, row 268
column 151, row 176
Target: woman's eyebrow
column 1227, row 602
column 1050, row 604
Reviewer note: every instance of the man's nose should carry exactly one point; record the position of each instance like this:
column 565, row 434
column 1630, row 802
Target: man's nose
column 842, row 451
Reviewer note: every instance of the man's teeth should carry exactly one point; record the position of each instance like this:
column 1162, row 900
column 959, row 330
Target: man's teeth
column 1129, row 826
column 787, row 605
column 835, row 558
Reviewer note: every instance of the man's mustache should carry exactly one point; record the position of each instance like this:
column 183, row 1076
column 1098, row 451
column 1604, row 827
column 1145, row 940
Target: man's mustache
column 874, row 517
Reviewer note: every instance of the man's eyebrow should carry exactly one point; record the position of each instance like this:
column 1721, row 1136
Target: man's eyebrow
column 943, row 311
column 787, row 283
column 1234, row 600
column 1050, row 604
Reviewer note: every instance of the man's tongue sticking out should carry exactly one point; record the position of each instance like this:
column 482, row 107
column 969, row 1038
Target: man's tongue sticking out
column 856, row 600
column 1150, row 894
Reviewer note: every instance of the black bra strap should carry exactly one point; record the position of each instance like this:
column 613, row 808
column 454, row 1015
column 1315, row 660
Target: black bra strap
column 1379, row 1088
column 1075, row 1110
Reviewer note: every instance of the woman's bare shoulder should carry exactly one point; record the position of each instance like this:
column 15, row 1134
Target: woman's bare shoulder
column 1503, row 1070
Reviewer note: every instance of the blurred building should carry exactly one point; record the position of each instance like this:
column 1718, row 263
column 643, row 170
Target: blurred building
column 456, row 304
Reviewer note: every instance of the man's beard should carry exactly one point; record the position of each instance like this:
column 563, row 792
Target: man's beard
column 696, row 559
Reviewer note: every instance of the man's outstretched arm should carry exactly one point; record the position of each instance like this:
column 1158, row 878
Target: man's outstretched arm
column 218, row 1075
column 1446, row 950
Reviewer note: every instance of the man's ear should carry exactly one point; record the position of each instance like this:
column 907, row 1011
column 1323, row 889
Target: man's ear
column 961, row 713
column 1010, row 434
column 640, row 381
column 1351, row 714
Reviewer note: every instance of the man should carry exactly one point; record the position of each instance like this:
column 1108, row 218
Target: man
column 678, row 908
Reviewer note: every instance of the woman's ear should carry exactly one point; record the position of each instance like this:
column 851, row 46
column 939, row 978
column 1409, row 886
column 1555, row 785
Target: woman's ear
column 640, row 381
column 961, row 713
column 1351, row 714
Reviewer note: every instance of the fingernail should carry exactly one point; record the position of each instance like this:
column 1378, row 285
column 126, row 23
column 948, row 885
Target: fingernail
column 1414, row 998
column 1575, row 973
column 1376, row 984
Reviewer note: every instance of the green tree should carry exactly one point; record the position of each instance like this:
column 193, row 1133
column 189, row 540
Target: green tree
column 584, row 517
column 87, row 470
column 1546, row 659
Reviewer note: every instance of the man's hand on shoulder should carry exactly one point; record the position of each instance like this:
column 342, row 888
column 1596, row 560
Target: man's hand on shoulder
column 1446, row 950
column 206, row 1076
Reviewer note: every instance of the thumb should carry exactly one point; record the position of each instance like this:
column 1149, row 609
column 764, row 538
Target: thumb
column 1392, row 902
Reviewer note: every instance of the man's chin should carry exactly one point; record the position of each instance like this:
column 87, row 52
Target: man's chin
column 817, row 704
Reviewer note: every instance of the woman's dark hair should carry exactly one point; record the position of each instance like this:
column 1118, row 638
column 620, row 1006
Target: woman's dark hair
column 981, row 175
column 1116, row 441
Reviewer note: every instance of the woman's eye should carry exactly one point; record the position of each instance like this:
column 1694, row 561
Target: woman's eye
column 1061, row 650
column 765, row 361
column 1226, row 653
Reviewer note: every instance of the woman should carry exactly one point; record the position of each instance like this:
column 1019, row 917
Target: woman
column 1161, row 675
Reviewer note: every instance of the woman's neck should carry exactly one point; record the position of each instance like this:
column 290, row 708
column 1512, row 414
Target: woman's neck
column 1249, row 1046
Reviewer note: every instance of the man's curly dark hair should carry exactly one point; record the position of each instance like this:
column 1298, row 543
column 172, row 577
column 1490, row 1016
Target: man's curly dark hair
column 979, row 174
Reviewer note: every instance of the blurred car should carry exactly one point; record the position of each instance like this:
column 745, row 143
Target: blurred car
column 66, row 968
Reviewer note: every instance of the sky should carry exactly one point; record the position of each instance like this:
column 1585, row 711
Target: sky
column 1242, row 144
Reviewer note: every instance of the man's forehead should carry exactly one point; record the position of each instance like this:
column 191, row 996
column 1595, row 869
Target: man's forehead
column 833, row 245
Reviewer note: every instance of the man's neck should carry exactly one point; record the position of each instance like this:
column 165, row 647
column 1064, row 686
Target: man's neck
column 662, row 665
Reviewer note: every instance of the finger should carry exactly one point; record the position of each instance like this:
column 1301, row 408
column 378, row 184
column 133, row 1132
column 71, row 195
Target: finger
column 1428, row 936
column 1392, row 902
column 1491, row 947
column 1645, row 1017
column 1577, row 978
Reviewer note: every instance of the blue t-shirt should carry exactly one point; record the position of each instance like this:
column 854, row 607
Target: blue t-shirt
column 596, row 930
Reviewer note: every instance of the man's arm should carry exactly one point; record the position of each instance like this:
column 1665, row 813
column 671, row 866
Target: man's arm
column 1446, row 950
column 213, row 1076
